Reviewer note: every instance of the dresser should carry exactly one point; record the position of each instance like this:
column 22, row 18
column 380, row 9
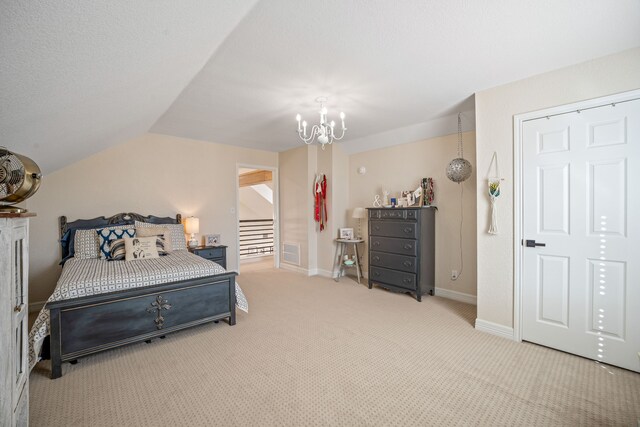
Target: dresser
column 402, row 249
column 14, row 308
column 217, row 254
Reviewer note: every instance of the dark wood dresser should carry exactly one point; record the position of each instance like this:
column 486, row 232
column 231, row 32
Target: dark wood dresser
column 402, row 249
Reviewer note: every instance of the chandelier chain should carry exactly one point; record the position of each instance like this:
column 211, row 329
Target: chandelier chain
column 460, row 154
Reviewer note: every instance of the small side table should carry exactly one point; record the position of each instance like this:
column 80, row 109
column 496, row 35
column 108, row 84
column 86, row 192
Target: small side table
column 216, row 254
column 343, row 246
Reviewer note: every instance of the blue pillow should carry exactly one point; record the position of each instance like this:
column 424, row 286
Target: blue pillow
column 106, row 235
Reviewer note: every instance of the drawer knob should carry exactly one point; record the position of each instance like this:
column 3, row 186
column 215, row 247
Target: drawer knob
column 407, row 280
column 408, row 246
column 376, row 243
column 376, row 273
column 407, row 263
column 407, row 229
column 376, row 227
column 376, row 258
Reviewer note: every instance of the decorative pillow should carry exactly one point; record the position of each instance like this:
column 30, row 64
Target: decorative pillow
column 86, row 244
column 140, row 248
column 177, row 241
column 105, row 235
column 156, row 231
column 161, row 245
column 117, row 250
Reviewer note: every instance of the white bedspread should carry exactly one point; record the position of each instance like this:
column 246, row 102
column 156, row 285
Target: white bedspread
column 83, row 277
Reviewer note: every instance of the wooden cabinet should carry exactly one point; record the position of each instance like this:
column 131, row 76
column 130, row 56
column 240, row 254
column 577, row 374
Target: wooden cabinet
column 402, row 249
column 14, row 308
column 217, row 254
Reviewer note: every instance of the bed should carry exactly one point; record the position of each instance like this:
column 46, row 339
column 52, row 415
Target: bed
column 99, row 305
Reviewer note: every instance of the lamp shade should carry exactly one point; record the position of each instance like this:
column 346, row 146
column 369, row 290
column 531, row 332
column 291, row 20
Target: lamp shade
column 359, row 213
column 192, row 225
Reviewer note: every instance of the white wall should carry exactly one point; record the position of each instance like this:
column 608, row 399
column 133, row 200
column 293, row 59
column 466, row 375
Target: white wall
column 252, row 205
column 495, row 109
column 153, row 174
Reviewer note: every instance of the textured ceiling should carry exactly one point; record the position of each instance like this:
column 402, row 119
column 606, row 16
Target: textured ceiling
column 78, row 76
column 81, row 75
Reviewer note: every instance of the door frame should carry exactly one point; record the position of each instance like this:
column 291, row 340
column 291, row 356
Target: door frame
column 276, row 210
column 518, row 121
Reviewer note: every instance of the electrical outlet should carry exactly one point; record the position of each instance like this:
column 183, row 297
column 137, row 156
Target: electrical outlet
column 454, row 274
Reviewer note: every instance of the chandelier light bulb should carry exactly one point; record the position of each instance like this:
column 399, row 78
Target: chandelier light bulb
column 323, row 132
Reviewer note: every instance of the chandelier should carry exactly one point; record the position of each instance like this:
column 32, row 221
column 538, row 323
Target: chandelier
column 323, row 132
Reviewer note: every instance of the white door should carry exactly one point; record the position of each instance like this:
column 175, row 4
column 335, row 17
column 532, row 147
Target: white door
column 581, row 200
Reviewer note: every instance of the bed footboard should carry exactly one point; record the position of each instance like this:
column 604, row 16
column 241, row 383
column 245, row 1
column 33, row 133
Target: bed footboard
column 87, row 325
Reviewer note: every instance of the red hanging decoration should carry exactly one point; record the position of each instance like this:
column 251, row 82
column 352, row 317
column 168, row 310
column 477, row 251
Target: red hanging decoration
column 320, row 205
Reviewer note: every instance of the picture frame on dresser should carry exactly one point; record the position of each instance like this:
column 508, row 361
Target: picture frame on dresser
column 211, row 239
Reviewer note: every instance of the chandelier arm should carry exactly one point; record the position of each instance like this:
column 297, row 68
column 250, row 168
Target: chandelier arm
column 312, row 135
column 338, row 138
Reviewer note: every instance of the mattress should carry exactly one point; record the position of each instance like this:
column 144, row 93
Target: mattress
column 84, row 277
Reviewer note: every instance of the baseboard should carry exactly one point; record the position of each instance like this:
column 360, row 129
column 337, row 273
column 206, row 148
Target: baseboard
column 325, row 273
column 495, row 329
column 458, row 296
column 295, row 268
column 35, row 307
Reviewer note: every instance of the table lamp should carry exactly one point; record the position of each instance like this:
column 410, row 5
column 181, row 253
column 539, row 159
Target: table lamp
column 192, row 227
column 359, row 213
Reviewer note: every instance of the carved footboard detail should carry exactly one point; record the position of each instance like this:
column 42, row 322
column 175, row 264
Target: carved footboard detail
column 158, row 305
column 88, row 325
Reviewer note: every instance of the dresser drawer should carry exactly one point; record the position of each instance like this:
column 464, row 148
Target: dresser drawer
column 395, row 262
column 392, row 277
column 210, row 253
column 407, row 230
column 393, row 213
column 397, row 246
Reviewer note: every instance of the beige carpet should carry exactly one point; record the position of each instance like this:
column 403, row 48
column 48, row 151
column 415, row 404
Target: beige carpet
column 316, row 352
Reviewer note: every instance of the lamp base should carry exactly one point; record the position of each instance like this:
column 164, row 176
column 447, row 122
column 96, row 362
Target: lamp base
column 193, row 242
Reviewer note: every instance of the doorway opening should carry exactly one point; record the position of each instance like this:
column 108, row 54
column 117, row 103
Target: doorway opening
column 257, row 218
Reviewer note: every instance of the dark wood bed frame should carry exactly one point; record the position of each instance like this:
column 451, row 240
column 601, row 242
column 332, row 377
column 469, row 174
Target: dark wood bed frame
column 91, row 324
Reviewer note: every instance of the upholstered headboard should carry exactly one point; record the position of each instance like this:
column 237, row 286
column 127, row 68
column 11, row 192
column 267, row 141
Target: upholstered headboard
column 68, row 229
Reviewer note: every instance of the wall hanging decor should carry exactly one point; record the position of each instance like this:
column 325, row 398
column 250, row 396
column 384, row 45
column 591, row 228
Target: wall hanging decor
column 459, row 169
column 493, row 181
column 320, row 200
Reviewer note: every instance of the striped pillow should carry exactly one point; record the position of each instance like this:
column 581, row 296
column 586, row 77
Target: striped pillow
column 117, row 249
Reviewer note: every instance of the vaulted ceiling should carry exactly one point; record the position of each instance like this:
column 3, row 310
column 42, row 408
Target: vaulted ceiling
column 79, row 76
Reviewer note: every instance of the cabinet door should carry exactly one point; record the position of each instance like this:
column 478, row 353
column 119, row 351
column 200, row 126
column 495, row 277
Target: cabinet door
column 19, row 294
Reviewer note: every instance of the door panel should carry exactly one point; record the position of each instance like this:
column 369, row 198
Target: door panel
column 580, row 291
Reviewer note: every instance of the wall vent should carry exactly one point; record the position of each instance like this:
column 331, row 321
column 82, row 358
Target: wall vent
column 291, row 253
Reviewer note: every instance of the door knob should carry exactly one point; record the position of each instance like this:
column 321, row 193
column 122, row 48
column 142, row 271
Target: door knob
column 533, row 244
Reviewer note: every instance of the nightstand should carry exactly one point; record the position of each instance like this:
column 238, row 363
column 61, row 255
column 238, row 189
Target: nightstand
column 216, row 254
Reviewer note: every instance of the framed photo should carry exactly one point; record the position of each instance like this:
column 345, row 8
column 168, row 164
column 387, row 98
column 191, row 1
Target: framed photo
column 346, row 233
column 211, row 239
